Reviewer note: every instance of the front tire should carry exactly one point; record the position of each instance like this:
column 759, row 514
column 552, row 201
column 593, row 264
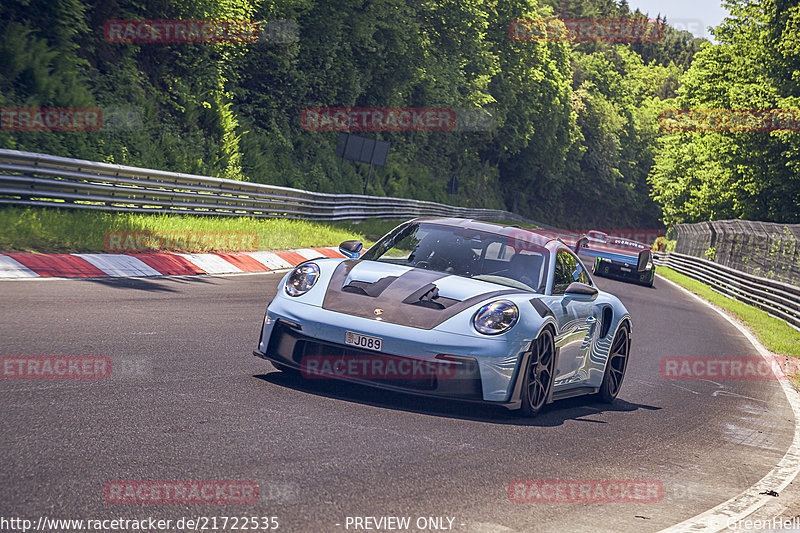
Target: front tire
column 539, row 374
column 616, row 366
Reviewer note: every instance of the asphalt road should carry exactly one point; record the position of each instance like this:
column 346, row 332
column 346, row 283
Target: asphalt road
column 189, row 401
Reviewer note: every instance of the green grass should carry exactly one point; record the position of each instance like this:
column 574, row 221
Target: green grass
column 67, row 230
column 47, row 230
column 775, row 334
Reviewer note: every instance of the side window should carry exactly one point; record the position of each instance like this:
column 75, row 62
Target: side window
column 568, row 269
column 565, row 267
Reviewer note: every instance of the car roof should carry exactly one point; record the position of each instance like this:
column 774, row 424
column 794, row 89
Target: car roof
column 536, row 236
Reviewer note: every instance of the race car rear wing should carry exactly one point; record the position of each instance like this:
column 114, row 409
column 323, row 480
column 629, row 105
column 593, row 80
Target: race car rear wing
column 641, row 257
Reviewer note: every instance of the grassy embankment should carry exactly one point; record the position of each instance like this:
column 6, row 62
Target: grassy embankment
column 70, row 231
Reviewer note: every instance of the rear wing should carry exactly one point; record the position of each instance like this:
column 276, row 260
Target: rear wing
column 628, row 252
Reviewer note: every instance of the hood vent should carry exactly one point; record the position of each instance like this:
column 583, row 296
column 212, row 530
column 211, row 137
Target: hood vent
column 428, row 296
column 411, row 299
column 366, row 288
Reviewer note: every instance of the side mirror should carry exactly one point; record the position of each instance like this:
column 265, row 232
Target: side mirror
column 351, row 249
column 645, row 256
column 580, row 289
column 579, row 243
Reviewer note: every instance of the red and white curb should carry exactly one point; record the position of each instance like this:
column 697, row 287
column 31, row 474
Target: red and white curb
column 30, row 265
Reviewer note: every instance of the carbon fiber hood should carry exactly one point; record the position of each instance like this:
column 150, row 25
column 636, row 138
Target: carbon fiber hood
column 404, row 296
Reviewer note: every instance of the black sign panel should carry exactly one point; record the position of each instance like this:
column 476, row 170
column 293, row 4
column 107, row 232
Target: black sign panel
column 380, row 153
column 353, row 148
column 341, row 144
column 366, row 151
column 358, row 148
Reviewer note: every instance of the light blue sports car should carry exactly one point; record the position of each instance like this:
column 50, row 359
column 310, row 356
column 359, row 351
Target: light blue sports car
column 453, row 308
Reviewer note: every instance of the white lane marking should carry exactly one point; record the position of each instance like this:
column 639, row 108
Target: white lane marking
column 728, row 393
column 211, row 263
column 728, row 513
column 685, row 388
column 120, row 265
column 642, row 382
column 270, row 260
column 11, row 268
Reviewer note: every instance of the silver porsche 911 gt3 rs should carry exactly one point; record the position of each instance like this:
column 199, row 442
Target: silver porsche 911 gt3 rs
column 453, row 308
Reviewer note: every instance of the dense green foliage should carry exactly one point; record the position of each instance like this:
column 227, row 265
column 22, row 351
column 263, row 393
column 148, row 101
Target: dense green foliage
column 752, row 175
column 576, row 123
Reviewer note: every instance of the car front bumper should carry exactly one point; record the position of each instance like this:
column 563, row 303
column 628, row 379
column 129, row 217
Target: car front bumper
column 473, row 368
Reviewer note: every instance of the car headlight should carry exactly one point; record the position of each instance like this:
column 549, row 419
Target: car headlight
column 496, row 317
column 302, row 279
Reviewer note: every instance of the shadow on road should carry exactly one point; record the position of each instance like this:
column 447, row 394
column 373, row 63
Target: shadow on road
column 155, row 284
column 554, row 414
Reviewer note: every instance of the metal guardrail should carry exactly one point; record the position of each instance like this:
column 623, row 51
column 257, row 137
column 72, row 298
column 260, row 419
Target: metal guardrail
column 765, row 249
column 44, row 180
column 775, row 297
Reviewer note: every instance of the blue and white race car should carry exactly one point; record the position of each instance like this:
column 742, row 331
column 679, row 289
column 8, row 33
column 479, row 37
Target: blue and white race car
column 453, row 308
column 617, row 258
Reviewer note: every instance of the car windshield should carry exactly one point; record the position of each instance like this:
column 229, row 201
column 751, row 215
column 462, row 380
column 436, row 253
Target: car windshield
column 481, row 255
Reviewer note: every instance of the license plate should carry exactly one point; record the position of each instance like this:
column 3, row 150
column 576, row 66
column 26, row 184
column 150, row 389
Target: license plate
column 363, row 341
column 625, row 269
